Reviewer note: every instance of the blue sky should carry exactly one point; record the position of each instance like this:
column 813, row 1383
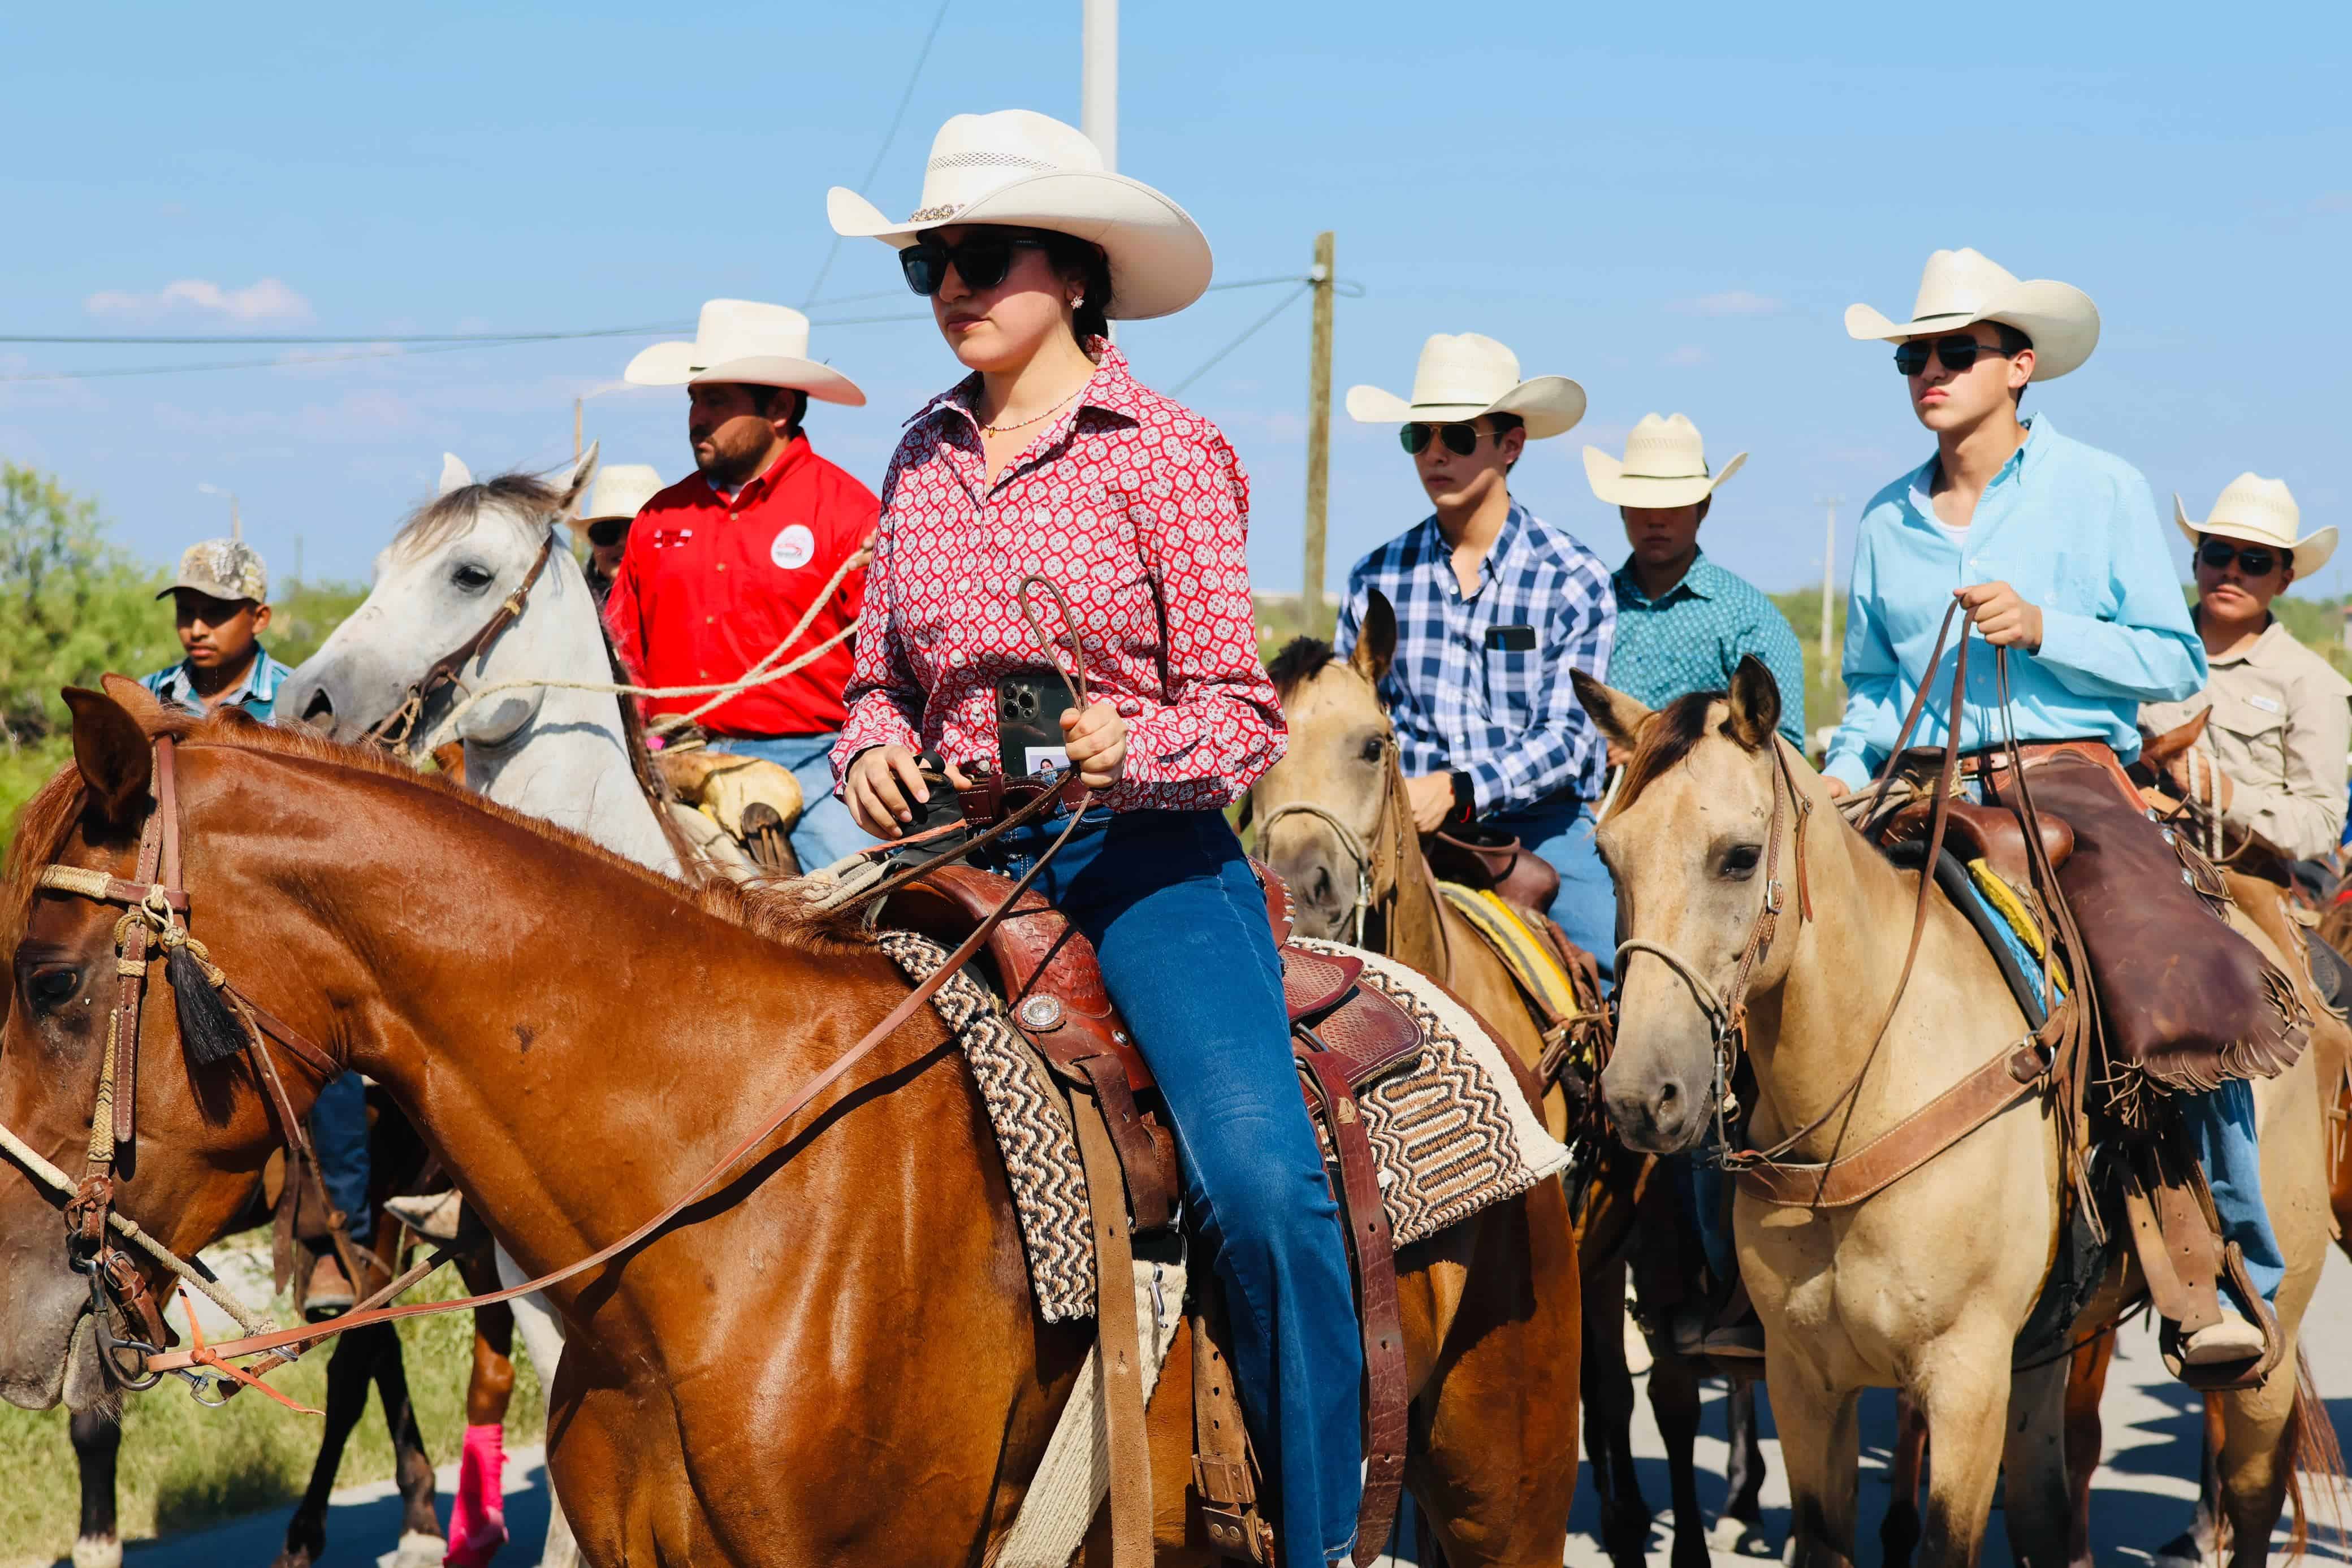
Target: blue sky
column 1674, row 207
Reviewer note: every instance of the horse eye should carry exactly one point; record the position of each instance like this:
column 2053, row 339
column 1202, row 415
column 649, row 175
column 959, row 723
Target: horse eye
column 473, row 579
column 53, row 988
column 1739, row 861
column 1374, row 748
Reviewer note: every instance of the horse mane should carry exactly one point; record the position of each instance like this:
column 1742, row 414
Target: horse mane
column 453, row 515
column 776, row 913
column 1667, row 736
column 1300, row 660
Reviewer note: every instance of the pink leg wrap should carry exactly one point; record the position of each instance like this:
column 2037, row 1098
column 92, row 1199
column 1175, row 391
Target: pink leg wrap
column 478, row 1524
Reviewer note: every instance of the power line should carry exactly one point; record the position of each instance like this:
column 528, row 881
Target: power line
column 897, row 118
column 1286, row 302
column 248, row 339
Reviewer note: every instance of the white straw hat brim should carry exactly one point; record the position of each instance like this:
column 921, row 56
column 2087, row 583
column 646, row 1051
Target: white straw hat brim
column 2311, row 552
column 676, row 365
column 1550, row 405
column 1613, row 486
column 2058, row 317
column 1160, row 260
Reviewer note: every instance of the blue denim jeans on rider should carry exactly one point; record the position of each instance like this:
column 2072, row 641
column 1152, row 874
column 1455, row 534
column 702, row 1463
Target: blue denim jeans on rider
column 825, row 832
column 338, row 1131
column 1559, row 831
column 1180, row 927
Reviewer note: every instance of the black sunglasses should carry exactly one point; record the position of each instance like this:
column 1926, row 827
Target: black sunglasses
column 607, row 532
column 1957, row 353
column 2216, row 555
column 1461, row 440
column 981, row 260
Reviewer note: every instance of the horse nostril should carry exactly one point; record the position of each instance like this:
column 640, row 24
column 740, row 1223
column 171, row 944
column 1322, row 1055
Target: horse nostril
column 1668, row 1092
column 319, row 711
column 1318, row 890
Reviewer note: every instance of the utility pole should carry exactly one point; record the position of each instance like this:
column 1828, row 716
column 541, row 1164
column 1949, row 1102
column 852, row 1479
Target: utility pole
column 297, row 560
column 1318, row 436
column 1829, row 577
column 236, row 520
column 1099, row 80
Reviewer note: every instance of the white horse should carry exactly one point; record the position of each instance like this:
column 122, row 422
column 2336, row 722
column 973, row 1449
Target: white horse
column 557, row 754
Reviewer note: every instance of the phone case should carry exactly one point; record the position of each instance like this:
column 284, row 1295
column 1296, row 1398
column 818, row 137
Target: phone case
column 1029, row 708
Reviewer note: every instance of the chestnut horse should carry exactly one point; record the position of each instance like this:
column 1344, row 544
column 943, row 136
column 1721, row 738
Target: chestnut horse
column 1333, row 821
column 833, row 1354
column 1887, row 1292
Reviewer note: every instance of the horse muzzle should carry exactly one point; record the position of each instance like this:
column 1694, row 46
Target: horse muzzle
column 1655, row 1112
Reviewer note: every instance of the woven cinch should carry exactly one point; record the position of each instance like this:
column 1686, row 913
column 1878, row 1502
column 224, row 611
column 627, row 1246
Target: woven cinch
column 1451, row 1136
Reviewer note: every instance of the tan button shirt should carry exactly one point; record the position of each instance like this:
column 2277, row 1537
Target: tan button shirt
column 2281, row 724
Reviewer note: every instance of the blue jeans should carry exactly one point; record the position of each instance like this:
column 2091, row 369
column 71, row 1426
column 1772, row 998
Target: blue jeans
column 2221, row 1124
column 338, row 1131
column 1560, row 832
column 1180, row 927
column 825, row 832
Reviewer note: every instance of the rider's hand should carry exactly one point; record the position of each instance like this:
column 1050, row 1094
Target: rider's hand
column 1838, row 788
column 1432, row 797
column 2002, row 618
column 880, row 780
column 1095, row 740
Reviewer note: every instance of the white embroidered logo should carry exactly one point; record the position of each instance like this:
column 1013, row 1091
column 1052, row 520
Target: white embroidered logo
column 794, row 547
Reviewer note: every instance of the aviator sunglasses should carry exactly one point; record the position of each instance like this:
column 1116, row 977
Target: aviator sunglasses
column 981, row 260
column 1460, row 439
column 1957, row 353
column 607, row 532
column 2216, row 554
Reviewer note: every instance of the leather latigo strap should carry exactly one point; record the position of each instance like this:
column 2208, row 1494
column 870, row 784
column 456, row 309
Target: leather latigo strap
column 1120, row 1338
column 1387, row 1394
column 1222, row 1481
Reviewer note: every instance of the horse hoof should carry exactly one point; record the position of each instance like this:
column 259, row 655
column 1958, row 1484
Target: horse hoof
column 98, row 1552
column 1740, row 1537
column 416, row 1550
column 474, row 1548
column 2180, row 1551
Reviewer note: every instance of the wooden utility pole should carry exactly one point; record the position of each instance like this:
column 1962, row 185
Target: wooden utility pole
column 1829, row 581
column 1318, row 436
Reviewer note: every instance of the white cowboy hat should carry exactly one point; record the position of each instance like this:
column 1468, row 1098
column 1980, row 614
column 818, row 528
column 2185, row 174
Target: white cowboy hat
column 1024, row 170
column 2260, row 511
column 745, row 342
column 1664, row 466
column 621, row 490
column 1960, row 288
column 1464, row 375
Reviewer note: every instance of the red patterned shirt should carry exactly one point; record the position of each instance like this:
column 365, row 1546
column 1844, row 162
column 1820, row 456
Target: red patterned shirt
column 1138, row 509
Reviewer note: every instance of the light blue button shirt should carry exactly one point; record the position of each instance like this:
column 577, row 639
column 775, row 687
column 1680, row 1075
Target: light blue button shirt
column 2075, row 530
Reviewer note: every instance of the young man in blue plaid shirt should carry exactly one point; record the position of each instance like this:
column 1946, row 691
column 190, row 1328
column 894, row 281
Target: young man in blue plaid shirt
column 1494, row 607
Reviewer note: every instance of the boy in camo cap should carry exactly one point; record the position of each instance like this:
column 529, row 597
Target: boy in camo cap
column 222, row 599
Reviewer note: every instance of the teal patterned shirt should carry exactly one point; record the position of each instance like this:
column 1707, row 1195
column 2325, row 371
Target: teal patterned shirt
column 1694, row 637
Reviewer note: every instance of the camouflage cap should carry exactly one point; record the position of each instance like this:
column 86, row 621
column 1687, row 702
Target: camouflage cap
column 224, row 569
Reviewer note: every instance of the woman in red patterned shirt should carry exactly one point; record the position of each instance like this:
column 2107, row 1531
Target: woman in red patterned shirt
column 1050, row 459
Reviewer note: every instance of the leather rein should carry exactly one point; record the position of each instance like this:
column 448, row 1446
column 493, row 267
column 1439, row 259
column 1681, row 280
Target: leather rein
column 157, row 902
column 397, row 729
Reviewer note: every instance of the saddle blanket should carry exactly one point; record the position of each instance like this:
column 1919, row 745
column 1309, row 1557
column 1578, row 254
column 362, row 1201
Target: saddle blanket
column 1529, row 955
column 1452, row 1133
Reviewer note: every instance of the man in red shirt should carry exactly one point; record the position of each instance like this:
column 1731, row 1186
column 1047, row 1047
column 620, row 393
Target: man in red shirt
column 720, row 567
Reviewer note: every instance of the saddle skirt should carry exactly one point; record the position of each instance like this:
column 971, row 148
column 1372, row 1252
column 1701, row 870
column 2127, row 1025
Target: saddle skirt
column 1451, row 1130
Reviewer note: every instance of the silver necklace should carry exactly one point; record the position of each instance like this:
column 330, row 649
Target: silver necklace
column 1025, row 423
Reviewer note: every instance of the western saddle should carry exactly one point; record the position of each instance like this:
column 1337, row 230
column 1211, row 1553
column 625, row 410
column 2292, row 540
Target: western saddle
column 1346, row 1036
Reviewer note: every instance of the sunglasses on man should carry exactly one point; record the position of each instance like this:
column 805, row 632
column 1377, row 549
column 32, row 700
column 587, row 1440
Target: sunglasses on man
column 1461, row 440
column 981, row 260
column 1957, row 353
column 2216, row 555
column 607, row 532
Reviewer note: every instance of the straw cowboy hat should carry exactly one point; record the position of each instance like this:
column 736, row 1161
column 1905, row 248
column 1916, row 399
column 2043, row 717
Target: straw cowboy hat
column 1464, row 375
column 1020, row 169
column 1664, row 466
column 621, row 490
column 1960, row 287
column 2259, row 511
column 745, row 342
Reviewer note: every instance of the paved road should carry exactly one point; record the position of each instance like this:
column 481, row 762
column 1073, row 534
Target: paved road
column 2141, row 1498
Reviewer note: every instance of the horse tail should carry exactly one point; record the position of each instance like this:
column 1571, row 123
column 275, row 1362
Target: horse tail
column 2309, row 1444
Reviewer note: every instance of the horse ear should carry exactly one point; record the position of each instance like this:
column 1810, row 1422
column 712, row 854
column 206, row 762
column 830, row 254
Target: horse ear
column 577, row 485
column 137, row 702
column 455, row 475
column 1376, row 639
column 2156, row 750
column 1755, row 704
column 1620, row 718
column 110, row 751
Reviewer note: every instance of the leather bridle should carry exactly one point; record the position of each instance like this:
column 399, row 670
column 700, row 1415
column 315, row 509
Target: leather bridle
column 397, row 729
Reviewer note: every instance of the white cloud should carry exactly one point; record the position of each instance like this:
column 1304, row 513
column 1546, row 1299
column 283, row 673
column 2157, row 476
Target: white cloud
column 1733, row 302
column 1687, row 355
column 266, row 300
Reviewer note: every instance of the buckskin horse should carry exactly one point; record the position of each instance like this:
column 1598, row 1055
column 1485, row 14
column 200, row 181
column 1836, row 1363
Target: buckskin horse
column 834, row 1352
column 1333, row 821
column 1887, row 1292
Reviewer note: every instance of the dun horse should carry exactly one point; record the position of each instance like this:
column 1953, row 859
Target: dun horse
column 836, row 1353
column 1332, row 819
column 1889, row 1292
